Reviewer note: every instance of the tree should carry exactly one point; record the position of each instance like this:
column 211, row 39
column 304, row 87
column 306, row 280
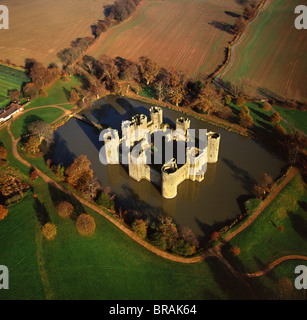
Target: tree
column 42, row 76
column 188, row 235
column 176, row 94
column 167, row 233
column 239, row 26
column 68, row 55
column 109, row 72
column 267, row 106
column 240, row 101
column 49, row 231
column 3, row 212
column 33, row 174
column 3, row 153
column 11, row 183
column 209, row 99
column 245, row 119
column 249, row 12
column 30, row 90
column 275, row 117
column 65, row 209
column 42, row 130
column 106, row 200
column 85, row 224
column 139, row 226
column 236, row 250
column 92, row 188
column 214, row 236
column 43, row 93
column 74, row 97
column 14, row 95
column 264, row 186
column 79, row 173
column 148, row 69
column 32, row 146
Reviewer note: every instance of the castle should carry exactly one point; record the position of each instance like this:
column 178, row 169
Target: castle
column 140, row 150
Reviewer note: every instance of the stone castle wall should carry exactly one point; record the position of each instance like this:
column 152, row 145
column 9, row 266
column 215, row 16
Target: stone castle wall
column 170, row 175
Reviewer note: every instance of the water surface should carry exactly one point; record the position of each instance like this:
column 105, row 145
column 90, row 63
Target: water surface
column 203, row 206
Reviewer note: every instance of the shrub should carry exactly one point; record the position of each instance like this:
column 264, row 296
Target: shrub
column 49, row 231
column 266, row 106
column 214, row 236
column 236, row 251
column 3, row 212
column 227, row 99
column 106, row 201
column 240, row 101
column 65, row 209
column 139, row 227
column 275, row 117
column 184, row 248
column 33, row 174
column 85, row 224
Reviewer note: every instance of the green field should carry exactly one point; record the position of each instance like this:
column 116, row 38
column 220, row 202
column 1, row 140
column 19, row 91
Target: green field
column 11, row 78
column 271, row 57
column 263, row 242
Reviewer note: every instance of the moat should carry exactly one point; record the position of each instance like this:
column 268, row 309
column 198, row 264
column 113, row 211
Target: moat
column 203, row 206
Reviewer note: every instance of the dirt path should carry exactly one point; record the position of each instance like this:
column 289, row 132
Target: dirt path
column 274, row 264
column 216, row 251
column 102, row 212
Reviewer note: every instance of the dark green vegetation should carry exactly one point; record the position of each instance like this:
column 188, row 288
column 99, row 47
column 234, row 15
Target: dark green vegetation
column 10, row 79
column 280, row 230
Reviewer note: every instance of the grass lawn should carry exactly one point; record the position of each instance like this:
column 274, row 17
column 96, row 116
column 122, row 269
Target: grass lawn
column 297, row 118
column 59, row 93
column 107, row 265
column 260, row 116
column 20, row 124
column 263, row 242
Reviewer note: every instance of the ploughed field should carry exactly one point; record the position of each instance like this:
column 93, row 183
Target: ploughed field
column 41, row 28
column 188, row 35
column 272, row 55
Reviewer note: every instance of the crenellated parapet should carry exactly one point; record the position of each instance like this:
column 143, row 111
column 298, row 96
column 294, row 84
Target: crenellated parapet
column 170, row 174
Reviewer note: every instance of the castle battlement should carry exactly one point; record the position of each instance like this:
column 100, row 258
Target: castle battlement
column 137, row 136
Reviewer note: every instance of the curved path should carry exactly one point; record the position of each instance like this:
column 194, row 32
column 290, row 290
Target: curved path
column 274, row 264
column 100, row 211
column 216, row 251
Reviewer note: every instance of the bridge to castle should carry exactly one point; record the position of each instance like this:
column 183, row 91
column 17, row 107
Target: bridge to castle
column 87, row 121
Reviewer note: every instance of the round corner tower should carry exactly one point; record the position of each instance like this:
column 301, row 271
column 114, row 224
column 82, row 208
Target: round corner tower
column 213, row 146
column 169, row 179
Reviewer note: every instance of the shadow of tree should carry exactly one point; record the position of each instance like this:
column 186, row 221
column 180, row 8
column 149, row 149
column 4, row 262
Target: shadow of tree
column 241, row 175
column 227, row 281
column 41, row 212
column 222, row 26
column 27, row 122
column 233, row 14
column 299, row 224
column 59, row 196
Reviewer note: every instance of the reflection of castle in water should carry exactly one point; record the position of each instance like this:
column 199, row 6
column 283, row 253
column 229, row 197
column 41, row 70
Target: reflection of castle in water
column 167, row 175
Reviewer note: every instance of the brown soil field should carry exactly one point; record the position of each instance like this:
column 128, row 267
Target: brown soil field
column 184, row 34
column 41, row 28
column 271, row 58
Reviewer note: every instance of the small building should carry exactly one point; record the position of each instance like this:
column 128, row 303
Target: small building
column 6, row 113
